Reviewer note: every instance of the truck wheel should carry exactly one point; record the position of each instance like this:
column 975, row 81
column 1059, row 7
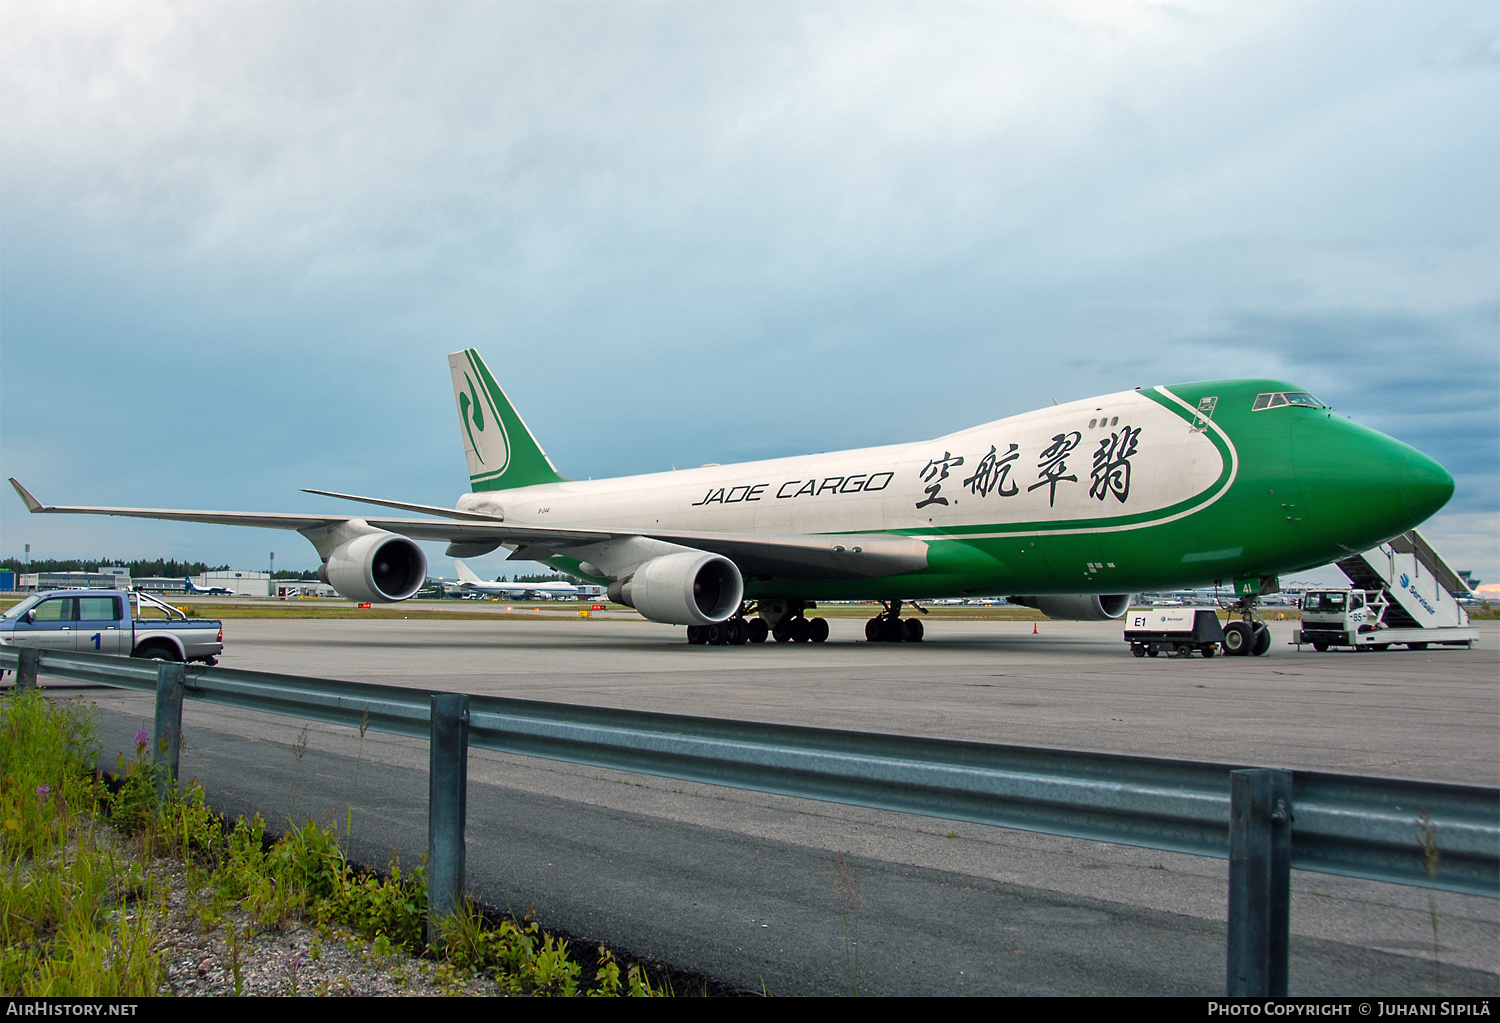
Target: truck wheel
column 1137, row 650
column 1209, row 649
column 156, row 651
column 1321, row 648
column 1153, row 651
column 1260, row 636
column 1416, row 646
column 1237, row 639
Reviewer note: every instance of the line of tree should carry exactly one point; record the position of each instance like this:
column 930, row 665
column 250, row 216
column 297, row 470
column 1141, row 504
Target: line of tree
column 160, row 567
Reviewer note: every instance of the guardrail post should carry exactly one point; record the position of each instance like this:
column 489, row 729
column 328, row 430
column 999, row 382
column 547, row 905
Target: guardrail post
column 26, row 669
column 447, row 807
column 1260, row 882
column 166, row 748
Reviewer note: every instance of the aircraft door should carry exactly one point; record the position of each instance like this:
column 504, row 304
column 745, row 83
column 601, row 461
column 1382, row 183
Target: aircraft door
column 99, row 626
column 50, row 625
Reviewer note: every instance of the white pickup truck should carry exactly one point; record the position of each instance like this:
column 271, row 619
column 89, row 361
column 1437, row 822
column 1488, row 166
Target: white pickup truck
column 104, row 621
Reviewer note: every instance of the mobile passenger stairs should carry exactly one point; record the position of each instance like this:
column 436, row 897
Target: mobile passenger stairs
column 1402, row 592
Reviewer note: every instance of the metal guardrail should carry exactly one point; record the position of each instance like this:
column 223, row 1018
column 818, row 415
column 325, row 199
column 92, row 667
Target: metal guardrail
column 1341, row 824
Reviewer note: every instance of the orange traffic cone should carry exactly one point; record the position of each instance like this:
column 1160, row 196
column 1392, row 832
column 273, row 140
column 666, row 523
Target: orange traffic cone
column 1033, row 629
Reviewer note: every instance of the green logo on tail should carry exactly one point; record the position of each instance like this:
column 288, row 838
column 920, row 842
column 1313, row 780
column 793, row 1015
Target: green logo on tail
column 476, row 420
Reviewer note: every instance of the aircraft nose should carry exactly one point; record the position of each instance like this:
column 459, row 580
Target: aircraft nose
column 1425, row 486
column 1360, row 487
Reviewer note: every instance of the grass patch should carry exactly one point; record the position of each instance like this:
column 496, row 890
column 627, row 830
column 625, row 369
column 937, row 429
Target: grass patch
column 83, row 894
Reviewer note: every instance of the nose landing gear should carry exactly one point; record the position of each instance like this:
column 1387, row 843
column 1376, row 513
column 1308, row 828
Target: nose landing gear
column 1250, row 636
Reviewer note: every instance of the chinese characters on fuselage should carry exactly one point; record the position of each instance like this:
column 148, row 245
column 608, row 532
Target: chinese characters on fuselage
column 934, row 474
column 1110, row 473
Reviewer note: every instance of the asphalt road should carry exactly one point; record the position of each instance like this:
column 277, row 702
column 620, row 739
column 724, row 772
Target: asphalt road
column 740, row 886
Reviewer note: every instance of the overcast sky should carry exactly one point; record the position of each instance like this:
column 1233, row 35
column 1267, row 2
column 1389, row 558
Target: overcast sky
column 237, row 240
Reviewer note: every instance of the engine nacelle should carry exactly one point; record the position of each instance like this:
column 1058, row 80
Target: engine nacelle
column 376, row 568
column 690, row 588
column 1079, row 607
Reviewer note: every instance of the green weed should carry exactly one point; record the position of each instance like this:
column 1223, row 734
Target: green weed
column 81, row 913
column 851, row 897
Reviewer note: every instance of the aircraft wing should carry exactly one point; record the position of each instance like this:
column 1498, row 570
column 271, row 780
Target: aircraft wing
column 809, row 556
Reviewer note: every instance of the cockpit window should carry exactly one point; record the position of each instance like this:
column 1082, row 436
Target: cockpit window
column 1276, row 399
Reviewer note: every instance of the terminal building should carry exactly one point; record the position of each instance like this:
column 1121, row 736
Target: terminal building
column 240, row 584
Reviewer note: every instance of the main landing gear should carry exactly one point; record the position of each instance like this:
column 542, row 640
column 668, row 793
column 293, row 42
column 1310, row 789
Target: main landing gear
column 781, row 620
column 1248, row 637
column 890, row 627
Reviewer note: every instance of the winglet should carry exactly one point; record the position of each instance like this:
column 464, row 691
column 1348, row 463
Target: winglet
column 32, row 504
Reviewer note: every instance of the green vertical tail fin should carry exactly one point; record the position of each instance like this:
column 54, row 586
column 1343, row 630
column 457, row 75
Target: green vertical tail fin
column 501, row 451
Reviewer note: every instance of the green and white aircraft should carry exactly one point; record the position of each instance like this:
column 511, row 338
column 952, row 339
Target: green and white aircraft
column 1074, row 508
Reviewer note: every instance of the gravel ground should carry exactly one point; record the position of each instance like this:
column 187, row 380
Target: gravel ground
column 294, row 959
column 232, row 954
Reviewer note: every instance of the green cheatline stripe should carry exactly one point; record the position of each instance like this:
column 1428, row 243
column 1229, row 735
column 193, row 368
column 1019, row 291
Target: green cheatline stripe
column 1142, row 519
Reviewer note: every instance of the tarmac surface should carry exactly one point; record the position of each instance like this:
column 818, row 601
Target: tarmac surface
column 740, row 887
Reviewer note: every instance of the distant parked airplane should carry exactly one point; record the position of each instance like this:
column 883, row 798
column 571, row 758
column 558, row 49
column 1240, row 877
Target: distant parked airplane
column 468, row 582
column 212, row 591
column 1073, row 508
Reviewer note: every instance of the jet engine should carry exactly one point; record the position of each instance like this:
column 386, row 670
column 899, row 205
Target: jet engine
column 689, row 588
column 1079, row 607
column 376, row 568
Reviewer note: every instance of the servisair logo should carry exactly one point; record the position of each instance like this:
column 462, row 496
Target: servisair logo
column 487, row 438
column 1409, row 588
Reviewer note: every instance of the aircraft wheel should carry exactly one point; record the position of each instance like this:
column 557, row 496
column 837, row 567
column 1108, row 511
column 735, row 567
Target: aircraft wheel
column 913, row 630
column 713, row 634
column 1137, row 650
column 872, row 630
column 736, row 631
column 892, row 630
column 1416, row 646
column 758, row 629
column 1209, row 649
column 1260, row 636
column 1237, row 639
column 696, row 635
column 801, row 630
column 817, row 630
column 1321, row 648
column 782, row 633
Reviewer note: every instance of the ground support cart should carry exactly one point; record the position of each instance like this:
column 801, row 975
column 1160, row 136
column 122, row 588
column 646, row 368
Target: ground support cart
column 1178, row 631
